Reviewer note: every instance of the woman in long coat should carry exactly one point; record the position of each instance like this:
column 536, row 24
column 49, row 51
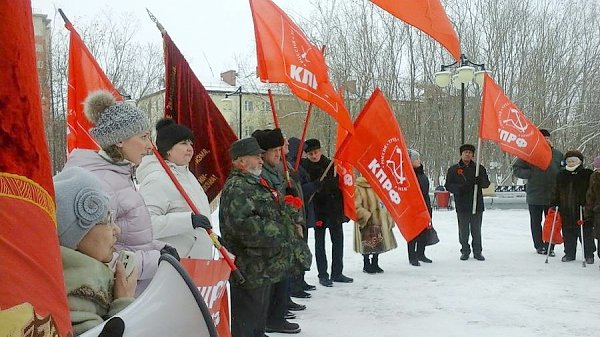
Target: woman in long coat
column 372, row 228
column 593, row 200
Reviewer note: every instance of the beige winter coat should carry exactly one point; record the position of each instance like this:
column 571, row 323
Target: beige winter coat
column 373, row 226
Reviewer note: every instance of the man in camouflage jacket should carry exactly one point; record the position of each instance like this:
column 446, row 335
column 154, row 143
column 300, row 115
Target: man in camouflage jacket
column 252, row 227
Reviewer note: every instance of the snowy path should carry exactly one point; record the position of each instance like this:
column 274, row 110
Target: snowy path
column 512, row 293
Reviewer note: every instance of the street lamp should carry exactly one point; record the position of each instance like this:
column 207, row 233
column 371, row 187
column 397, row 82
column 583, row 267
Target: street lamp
column 238, row 92
column 460, row 73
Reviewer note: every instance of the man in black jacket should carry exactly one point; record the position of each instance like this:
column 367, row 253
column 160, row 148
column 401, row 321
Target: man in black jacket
column 329, row 211
column 461, row 181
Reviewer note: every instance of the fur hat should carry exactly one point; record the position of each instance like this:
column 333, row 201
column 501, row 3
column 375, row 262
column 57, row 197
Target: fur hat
column 114, row 121
column 467, row 147
column 245, row 147
column 81, row 203
column 545, row 132
column 414, row 154
column 311, row 144
column 596, row 162
column 269, row 139
column 574, row 153
column 169, row 133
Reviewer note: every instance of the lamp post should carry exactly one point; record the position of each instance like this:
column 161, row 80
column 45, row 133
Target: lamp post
column 238, row 92
column 461, row 73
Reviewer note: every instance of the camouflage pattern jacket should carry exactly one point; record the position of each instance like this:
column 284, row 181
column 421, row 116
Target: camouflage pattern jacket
column 256, row 228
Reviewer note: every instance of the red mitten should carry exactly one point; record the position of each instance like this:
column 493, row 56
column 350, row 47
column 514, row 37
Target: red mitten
column 293, row 201
column 580, row 222
column 319, row 223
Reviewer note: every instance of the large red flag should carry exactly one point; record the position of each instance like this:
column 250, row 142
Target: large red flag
column 189, row 104
column 285, row 55
column 345, row 173
column 85, row 76
column 502, row 122
column 429, row 16
column 33, row 301
column 378, row 150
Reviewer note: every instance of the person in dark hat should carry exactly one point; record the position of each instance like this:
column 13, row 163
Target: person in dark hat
column 570, row 196
column 461, row 182
column 539, row 188
column 172, row 218
column 252, row 226
column 329, row 214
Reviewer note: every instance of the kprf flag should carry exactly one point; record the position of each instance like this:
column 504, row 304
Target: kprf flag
column 188, row 103
column 345, row 173
column 85, row 76
column 285, row 55
column 429, row 16
column 33, row 301
column 378, row 150
column 502, row 122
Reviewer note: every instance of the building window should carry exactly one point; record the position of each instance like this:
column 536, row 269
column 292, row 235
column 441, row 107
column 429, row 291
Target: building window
column 248, row 106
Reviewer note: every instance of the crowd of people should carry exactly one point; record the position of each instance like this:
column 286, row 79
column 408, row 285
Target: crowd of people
column 121, row 198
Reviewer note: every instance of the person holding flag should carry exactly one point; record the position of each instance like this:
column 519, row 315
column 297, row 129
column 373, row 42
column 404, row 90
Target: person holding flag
column 329, row 211
column 460, row 181
column 539, row 188
column 373, row 227
column 416, row 247
column 570, row 196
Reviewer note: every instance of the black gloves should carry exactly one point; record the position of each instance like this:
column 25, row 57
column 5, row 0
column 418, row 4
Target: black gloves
column 199, row 220
column 170, row 250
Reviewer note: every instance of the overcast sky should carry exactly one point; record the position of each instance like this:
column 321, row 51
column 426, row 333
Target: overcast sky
column 210, row 33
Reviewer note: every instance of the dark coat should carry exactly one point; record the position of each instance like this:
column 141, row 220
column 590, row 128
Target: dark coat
column 540, row 183
column 424, row 185
column 460, row 181
column 328, row 202
column 592, row 207
column 303, row 179
column 570, row 193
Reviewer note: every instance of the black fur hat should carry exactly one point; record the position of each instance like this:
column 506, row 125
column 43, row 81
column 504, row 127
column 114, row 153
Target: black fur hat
column 268, row 138
column 467, row 147
column 169, row 133
column 311, row 144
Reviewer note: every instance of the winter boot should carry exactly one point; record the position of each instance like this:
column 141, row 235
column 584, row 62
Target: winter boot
column 421, row 254
column 375, row 263
column 367, row 266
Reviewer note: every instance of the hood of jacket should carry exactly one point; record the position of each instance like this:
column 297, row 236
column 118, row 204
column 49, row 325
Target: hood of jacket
column 93, row 161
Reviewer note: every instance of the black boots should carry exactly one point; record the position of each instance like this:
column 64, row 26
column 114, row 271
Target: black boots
column 371, row 266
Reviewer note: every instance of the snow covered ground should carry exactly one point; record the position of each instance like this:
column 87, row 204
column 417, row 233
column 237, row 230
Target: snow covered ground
column 512, row 293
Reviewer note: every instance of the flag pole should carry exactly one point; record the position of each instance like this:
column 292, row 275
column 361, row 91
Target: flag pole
column 551, row 233
column 476, row 186
column 581, row 223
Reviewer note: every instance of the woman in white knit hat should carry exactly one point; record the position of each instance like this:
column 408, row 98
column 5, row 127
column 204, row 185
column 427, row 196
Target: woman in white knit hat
column 87, row 235
column 123, row 133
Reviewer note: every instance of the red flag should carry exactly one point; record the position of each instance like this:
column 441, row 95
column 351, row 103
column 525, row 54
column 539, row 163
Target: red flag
column 345, row 173
column 32, row 291
column 85, row 76
column 548, row 228
column 502, row 122
column 380, row 155
column 285, row 55
column 429, row 16
column 188, row 103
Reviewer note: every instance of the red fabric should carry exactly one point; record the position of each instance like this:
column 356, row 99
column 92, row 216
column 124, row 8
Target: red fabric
column 380, row 155
column 293, row 201
column 429, row 16
column 285, row 55
column 345, row 173
column 31, row 267
column 85, row 76
column 556, row 235
column 188, row 103
column 211, row 276
column 502, row 122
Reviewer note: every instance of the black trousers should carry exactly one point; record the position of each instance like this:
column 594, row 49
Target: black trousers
column 249, row 311
column 297, row 281
column 571, row 234
column 536, row 214
column 469, row 223
column 278, row 301
column 337, row 249
column 416, row 248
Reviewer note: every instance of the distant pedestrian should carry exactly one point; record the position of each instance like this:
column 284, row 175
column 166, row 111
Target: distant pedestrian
column 460, row 181
column 539, row 188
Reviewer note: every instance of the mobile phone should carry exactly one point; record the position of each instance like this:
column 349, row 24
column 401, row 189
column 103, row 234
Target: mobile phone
column 128, row 259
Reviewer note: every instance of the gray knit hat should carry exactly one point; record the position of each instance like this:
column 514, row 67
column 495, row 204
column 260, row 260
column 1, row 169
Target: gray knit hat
column 81, row 203
column 115, row 121
column 414, row 154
